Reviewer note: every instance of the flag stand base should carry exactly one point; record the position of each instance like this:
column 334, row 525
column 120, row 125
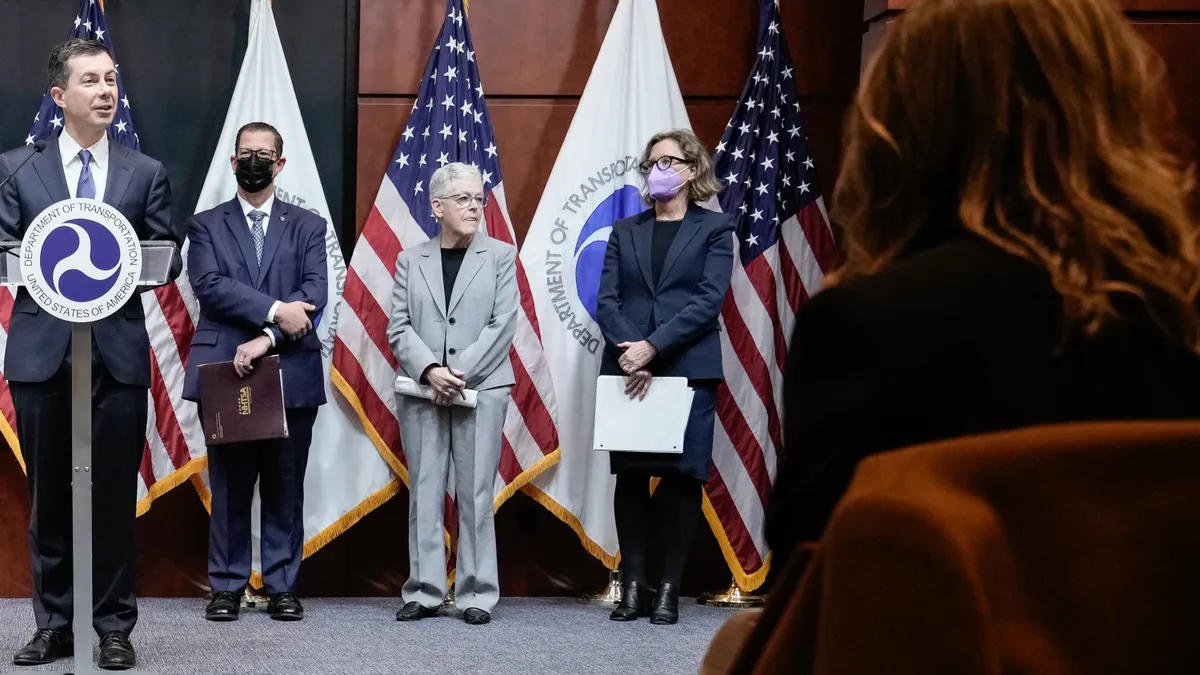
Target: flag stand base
column 448, row 602
column 611, row 595
column 251, row 599
column 732, row 597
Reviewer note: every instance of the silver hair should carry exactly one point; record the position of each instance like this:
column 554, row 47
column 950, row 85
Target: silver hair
column 439, row 183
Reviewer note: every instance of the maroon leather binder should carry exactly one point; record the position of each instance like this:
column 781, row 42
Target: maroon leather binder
column 240, row 409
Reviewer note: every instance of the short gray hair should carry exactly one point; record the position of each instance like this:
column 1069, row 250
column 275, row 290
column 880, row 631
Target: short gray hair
column 439, row 183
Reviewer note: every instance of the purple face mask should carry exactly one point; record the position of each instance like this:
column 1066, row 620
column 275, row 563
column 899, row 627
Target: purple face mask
column 663, row 184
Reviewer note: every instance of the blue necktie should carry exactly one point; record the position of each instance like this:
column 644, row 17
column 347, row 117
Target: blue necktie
column 87, row 187
column 256, row 232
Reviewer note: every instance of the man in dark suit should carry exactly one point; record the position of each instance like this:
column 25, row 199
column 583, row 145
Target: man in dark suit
column 82, row 163
column 258, row 268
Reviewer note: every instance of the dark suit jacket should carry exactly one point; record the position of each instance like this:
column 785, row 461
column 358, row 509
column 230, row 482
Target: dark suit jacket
column 685, row 304
column 235, row 293
column 960, row 339
column 137, row 186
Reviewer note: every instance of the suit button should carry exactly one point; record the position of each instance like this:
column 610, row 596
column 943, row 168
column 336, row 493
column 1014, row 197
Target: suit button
column 452, row 321
column 453, row 351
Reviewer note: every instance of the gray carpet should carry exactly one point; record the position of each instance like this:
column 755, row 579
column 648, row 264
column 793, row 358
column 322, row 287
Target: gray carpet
column 355, row 636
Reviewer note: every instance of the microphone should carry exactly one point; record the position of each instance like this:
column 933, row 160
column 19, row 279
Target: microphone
column 37, row 147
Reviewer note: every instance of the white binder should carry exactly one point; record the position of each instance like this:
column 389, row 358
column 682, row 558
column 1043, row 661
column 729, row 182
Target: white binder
column 654, row 424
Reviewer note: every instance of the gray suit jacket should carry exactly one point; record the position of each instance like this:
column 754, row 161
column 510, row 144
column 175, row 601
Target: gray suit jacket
column 475, row 332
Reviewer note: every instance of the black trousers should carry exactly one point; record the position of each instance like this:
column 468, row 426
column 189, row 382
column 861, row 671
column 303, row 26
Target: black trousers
column 278, row 465
column 118, row 437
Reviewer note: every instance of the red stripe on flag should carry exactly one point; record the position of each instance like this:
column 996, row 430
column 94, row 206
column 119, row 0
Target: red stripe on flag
column 733, row 524
column 372, row 317
column 380, row 237
column 733, row 420
column 170, row 300
column 6, row 405
column 762, row 279
column 531, row 407
column 6, row 305
column 147, row 467
column 377, row 413
column 793, row 286
column 165, row 420
column 819, row 238
column 510, row 468
column 753, row 362
column 526, row 296
column 493, row 214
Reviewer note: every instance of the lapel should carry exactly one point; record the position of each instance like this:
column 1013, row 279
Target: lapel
column 49, row 167
column 687, row 231
column 235, row 220
column 471, row 264
column 120, row 171
column 279, row 220
column 642, row 232
column 431, row 268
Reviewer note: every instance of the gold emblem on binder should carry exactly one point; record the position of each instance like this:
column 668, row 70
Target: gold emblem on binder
column 244, row 401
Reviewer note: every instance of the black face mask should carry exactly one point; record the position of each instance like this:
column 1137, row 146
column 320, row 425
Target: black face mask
column 253, row 174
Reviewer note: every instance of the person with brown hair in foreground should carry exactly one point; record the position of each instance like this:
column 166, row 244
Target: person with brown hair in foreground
column 1019, row 247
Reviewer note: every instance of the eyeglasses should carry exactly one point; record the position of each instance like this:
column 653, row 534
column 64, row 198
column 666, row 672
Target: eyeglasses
column 665, row 162
column 263, row 155
column 462, row 200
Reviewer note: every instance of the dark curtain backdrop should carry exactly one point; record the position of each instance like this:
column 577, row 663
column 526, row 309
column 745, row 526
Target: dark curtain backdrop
column 180, row 60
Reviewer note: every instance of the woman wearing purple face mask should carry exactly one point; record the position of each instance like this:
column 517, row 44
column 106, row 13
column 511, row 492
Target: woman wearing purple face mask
column 666, row 273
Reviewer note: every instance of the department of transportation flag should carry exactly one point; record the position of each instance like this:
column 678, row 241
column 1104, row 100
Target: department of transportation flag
column 345, row 477
column 174, row 443
column 630, row 95
column 448, row 123
column 784, row 250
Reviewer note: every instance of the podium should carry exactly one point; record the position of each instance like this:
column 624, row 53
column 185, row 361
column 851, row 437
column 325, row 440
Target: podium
column 140, row 264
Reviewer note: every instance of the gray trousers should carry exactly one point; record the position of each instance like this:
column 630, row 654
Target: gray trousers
column 434, row 436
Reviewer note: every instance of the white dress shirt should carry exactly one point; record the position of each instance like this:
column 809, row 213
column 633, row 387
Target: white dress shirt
column 69, row 149
column 266, row 207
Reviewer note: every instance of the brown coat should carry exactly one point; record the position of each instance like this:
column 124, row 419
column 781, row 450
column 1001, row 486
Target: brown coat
column 1060, row 549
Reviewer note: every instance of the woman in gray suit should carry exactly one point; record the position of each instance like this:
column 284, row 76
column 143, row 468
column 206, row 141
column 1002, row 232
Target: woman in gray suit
column 666, row 273
column 453, row 316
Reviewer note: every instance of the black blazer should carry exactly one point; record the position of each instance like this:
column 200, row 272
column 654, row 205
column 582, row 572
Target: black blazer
column 137, row 186
column 960, row 339
column 685, row 303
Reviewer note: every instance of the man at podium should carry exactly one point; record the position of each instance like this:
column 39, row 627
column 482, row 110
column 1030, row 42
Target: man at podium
column 82, row 162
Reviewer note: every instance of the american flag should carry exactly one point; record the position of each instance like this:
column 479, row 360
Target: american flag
column 785, row 249
column 173, row 435
column 448, row 123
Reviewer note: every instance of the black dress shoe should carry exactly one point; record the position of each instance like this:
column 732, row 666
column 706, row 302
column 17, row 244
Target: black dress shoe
column 285, row 607
column 635, row 602
column 224, row 606
column 415, row 611
column 666, row 605
column 476, row 616
column 46, row 646
column 116, row 652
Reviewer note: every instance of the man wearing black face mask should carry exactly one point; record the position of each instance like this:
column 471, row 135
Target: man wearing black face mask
column 258, row 268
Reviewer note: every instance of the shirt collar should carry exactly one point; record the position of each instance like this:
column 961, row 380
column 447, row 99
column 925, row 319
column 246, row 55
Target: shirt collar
column 69, row 148
column 265, row 208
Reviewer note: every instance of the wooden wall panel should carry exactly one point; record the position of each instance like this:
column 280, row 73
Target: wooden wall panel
column 547, row 47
